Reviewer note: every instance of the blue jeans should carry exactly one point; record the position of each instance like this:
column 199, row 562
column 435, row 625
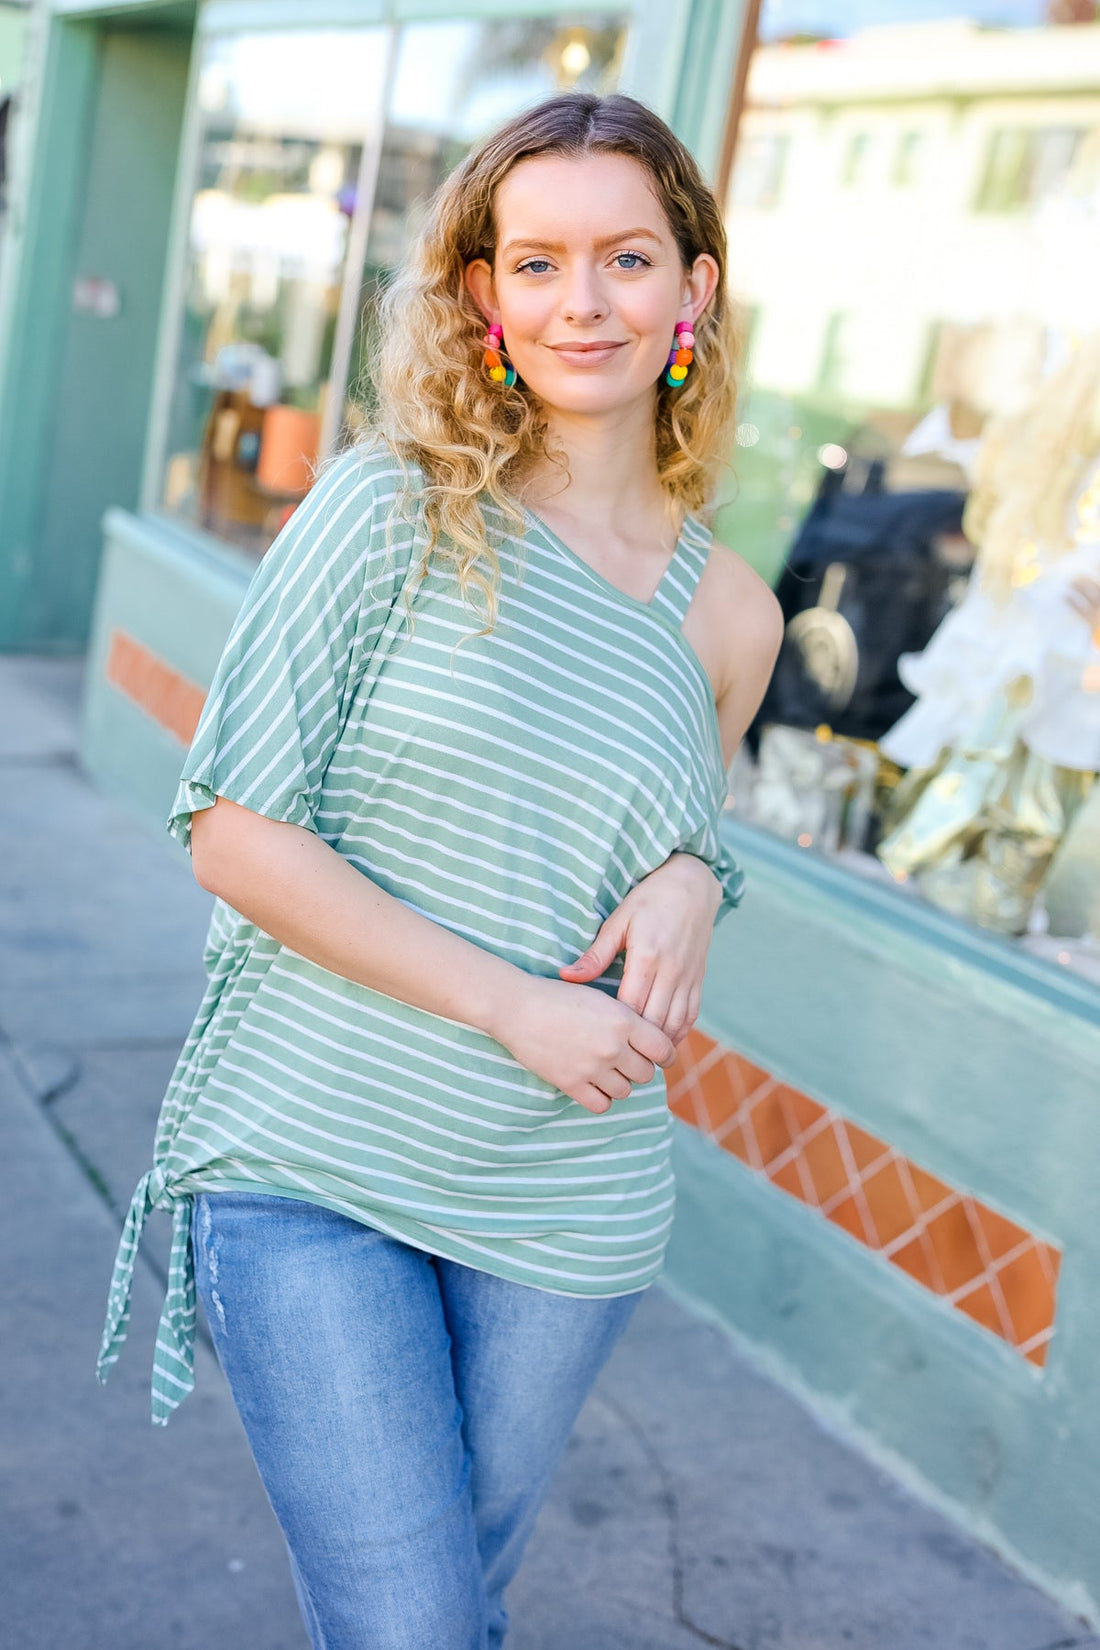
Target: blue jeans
column 406, row 1413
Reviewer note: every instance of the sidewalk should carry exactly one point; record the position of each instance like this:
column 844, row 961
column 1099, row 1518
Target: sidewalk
column 698, row 1505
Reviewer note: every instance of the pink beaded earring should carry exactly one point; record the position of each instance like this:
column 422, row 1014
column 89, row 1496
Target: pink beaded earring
column 681, row 357
column 501, row 370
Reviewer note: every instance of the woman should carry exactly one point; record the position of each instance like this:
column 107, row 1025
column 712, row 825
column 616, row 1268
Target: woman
column 466, row 747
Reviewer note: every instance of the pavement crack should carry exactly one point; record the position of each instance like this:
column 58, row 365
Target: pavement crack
column 670, row 1504
column 45, row 1096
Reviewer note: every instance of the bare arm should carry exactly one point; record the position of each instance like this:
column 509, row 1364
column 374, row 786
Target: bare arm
column 308, row 897
column 745, row 648
column 304, row 894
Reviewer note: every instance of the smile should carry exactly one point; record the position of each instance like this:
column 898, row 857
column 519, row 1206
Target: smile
column 586, row 355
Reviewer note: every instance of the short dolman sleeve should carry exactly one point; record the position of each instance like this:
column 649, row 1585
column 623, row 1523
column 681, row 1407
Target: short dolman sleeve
column 309, row 619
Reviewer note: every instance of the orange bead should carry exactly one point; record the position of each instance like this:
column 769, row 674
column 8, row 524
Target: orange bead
column 492, row 359
column 683, row 358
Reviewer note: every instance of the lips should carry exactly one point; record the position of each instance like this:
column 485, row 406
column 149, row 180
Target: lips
column 589, row 354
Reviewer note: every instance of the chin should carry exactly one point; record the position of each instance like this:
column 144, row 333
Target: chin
column 592, row 393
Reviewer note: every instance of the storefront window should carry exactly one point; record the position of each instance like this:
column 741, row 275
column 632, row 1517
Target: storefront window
column 316, row 148
column 919, row 457
column 284, row 118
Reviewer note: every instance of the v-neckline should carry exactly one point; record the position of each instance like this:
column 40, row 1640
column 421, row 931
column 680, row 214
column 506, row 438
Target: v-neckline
column 650, row 606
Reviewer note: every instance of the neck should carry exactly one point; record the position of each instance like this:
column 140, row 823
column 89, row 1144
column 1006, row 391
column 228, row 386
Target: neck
column 611, row 478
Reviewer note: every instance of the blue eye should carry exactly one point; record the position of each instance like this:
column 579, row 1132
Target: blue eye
column 536, row 266
column 635, row 260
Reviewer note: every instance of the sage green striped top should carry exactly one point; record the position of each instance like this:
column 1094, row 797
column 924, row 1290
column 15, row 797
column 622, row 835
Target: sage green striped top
column 514, row 789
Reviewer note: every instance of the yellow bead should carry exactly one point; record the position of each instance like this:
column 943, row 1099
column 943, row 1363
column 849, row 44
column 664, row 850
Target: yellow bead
column 498, row 373
column 678, row 373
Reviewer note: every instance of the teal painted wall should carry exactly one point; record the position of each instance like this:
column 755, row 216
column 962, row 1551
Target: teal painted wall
column 38, row 262
column 179, row 600
column 981, row 1066
column 74, row 395
column 95, row 454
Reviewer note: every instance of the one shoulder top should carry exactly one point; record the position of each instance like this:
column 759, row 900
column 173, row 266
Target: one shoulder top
column 513, row 789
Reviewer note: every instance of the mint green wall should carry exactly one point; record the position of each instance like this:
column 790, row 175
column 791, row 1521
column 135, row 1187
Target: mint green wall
column 979, row 1063
column 74, row 391
column 38, row 262
column 178, row 599
column 94, row 452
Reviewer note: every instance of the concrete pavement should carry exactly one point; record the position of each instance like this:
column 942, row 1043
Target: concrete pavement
column 698, row 1504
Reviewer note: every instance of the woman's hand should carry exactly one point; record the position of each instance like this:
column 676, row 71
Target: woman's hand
column 590, row 1045
column 665, row 925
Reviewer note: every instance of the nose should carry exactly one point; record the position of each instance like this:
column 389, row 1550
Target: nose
column 584, row 304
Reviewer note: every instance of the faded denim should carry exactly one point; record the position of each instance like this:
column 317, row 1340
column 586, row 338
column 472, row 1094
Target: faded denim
column 406, row 1413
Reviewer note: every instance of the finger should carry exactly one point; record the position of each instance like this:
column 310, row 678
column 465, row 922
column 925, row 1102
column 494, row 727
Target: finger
column 659, row 1002
column 691, row 1009
column 639, row 973
column 651, row 1041
column 635, row 1067
column 676, row 1020
column 601, row 953
column 614, row 1084
column 592, row 1099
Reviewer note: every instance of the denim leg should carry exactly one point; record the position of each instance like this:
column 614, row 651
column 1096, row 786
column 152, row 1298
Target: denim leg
column 524, row 1360
column 333, row 1340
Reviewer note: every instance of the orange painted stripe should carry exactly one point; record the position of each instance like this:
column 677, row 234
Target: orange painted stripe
column 161, row 692
column 985, row 1265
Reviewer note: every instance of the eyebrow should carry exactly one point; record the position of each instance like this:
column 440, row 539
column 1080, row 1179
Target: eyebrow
column 604, row 240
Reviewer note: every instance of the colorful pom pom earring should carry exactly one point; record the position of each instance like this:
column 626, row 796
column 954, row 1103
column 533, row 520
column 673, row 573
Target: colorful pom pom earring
column 501, row 370
column 680, row 357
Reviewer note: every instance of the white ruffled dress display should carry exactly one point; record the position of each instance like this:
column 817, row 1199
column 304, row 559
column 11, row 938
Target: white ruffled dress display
column 984, row 646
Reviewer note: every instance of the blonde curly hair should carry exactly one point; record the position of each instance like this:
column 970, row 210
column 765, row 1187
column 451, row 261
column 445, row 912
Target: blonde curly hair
column 474, row 441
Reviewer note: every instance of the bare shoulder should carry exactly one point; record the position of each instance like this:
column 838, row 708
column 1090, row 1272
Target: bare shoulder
column 735, row 628
column 747, row 599
column 745, row 618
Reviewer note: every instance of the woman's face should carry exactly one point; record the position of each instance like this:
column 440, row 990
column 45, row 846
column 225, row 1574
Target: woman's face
column 588, row 282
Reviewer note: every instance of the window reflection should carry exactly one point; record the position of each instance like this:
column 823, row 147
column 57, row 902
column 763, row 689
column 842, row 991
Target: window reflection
column 281, row 139
column 919, row 462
